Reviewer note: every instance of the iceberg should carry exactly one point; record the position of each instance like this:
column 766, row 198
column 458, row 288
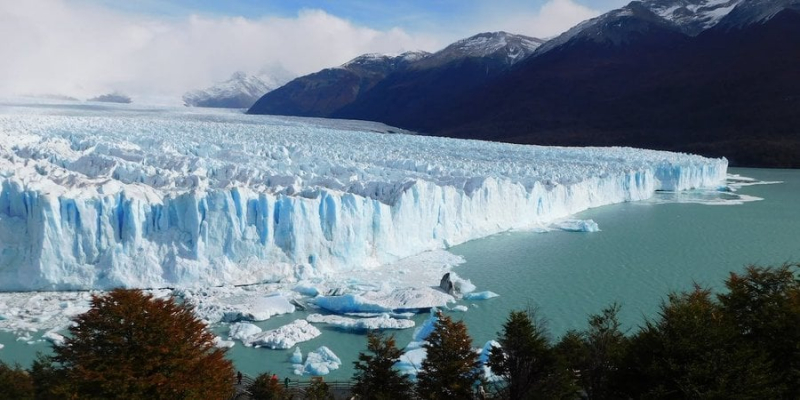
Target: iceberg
column 54, row 338
column 398, row 300
column 297, row 356
column 480, row 295
column 577, row 225
column 105, row 197
column 243, row 331
column 383, row 321
column 285, row 337
column 319, row 362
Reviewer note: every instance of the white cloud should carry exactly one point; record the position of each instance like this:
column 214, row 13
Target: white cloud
column 73, row 48
column 553, row 18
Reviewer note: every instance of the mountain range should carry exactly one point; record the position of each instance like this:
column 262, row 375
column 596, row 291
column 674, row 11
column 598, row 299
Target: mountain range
column 714, row 77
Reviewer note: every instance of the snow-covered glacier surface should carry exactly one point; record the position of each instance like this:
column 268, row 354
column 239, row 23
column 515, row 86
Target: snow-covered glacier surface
column 98, row 197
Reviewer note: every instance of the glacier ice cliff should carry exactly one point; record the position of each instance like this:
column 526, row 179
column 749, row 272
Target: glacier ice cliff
column 153, row 197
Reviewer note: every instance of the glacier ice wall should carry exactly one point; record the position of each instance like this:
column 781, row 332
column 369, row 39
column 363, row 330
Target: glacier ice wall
column 100, row 198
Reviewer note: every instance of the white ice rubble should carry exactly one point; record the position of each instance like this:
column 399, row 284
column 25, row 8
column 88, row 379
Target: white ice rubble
column 383, row 321
column 119, row 196
column 285, row 337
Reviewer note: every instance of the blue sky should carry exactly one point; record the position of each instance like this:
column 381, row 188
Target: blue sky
column 410, row 14
column 83, row 48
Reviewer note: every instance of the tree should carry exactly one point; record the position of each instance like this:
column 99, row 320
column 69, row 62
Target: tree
column 130, row 345
column 318, row 390
column 266, row 388
column 451, row 367
column 763, row 306
column 605, row 348
column 15, row 383
column 692, row 352
column 376, row 378
column 527, row 361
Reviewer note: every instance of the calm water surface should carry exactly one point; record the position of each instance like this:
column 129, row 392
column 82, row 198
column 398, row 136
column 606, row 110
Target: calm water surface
column 643, row 252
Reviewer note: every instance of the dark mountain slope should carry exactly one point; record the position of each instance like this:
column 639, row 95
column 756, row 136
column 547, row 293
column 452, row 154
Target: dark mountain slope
column 324, row 92
column 732, row 91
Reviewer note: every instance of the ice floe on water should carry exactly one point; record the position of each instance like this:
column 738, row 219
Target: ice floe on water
column 724, row 195
column 242, row 331
column 318, row 362
column 285, row 337
column 384, row 321
column 480, row 295
column 577, row 225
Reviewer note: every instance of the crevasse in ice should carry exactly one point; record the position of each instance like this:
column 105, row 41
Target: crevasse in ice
column 101, row 198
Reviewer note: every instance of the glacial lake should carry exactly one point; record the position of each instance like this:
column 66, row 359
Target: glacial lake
column 643, row 251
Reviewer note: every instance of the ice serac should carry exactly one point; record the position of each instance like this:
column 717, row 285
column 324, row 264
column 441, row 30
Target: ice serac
column 165, row 197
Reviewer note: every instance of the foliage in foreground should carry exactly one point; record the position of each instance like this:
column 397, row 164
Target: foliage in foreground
column 15, row 383
column 130, row 345
column 264, row 387
column 450, row 369
column 375, row 377
column 741, row 344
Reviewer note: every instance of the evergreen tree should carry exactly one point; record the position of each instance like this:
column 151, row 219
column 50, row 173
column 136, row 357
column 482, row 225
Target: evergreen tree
column 763, row 306
column 691, row 352
column 528, row 363
column 604, row 351
column 376, row 378
column 15, row 383
column 130, row 345
column 451, row 367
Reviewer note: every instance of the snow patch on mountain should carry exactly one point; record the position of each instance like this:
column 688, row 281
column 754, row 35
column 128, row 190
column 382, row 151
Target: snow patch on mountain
column 240, row 91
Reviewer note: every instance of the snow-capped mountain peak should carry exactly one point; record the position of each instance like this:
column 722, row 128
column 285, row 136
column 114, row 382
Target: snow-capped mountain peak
column 376, row 62
column 692, row 16
column 689, row 17
column 506, row 47
column 239, row 91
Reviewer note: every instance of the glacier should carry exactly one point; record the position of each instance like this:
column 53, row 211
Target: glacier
column 103, row 196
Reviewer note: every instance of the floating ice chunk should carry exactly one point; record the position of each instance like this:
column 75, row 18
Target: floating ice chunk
column 243, row 331
column 320, row 362
column 286, row 336
column 234, row 304
column 54, row 338
column 306, row 289
column 1, row 346
column 381, row 322
column 349, row 303
column 577, row 225
column 378, row 302
column 223, row 344
column 297, row 356
column 259, row 309
column 480, row 295
column 461, row 308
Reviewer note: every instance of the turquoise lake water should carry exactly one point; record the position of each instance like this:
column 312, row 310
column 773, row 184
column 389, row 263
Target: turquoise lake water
column 643, row 251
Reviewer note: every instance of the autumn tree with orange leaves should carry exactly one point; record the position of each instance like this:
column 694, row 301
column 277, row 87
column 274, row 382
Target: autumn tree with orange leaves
column 130, row 345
